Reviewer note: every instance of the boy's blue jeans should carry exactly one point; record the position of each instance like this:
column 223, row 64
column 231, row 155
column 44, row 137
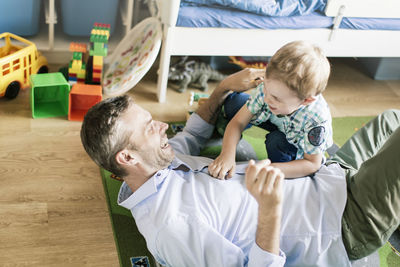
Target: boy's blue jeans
column 278, row 148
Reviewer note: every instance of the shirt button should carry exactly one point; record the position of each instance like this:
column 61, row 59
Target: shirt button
column 158, row 174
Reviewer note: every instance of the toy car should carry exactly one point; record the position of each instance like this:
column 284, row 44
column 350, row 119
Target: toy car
column 19, row 58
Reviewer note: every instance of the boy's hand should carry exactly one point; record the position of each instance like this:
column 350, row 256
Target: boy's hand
column 221, row 165
column 264, row 182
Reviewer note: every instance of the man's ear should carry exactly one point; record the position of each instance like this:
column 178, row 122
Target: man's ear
column 309, row 100
column 126, row 157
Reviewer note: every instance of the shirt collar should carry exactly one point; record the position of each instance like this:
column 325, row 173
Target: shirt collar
column 129, row 199
column 176, row 163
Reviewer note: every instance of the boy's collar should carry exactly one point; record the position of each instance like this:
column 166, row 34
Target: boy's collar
column 291, row 114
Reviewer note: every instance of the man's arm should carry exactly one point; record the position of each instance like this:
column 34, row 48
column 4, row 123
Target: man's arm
column 199, row 128
column 265, row 183
column 189, row 242
column 238, row 82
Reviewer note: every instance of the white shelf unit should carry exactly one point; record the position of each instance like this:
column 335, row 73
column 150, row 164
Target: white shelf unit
column 54, row 43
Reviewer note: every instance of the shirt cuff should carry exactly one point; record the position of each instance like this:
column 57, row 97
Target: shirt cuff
column 260, row 257
column 199, row 127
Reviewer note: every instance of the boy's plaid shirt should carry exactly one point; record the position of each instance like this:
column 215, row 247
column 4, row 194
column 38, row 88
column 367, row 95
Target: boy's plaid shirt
column 309, row 128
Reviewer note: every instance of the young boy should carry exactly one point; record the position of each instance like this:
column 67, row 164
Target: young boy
column 290, row 106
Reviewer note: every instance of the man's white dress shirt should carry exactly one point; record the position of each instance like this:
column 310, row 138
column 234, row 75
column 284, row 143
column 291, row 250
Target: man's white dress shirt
column 190, row 219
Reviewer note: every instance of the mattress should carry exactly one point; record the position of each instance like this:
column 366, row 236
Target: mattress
column 215, row 17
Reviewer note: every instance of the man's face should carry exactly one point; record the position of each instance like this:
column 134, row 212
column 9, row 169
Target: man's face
column 280, row 99
column 148, row 138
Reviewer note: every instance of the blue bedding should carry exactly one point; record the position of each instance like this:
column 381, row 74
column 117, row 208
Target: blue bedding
column 191, row 16
column 264, row 7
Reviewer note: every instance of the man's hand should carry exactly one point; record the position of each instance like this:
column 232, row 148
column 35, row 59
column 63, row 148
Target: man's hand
column 264, row 182
column 238, row 82
column 221, row 165
column 243, row 80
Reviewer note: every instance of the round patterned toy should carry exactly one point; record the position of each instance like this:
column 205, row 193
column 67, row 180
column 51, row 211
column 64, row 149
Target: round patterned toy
column 133, row 57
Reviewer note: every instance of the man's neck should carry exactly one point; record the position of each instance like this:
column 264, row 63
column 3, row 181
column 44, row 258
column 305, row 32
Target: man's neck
column 134, row 182
column 137, row 178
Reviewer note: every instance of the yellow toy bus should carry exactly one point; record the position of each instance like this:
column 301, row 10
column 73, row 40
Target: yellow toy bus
column 19, row 59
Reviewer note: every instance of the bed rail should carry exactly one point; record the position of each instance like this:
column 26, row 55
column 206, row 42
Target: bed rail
column 364, row 8
column 168, row 11
column 335, row 42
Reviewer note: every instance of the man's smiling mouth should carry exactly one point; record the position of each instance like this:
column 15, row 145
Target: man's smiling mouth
column 165, row 144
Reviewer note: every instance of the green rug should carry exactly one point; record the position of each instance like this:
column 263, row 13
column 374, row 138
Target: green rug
column 131, row 245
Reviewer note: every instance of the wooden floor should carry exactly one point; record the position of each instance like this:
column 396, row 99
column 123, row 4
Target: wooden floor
column 52, row 205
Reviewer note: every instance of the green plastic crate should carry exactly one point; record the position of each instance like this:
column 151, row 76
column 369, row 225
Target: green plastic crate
column 49, row 95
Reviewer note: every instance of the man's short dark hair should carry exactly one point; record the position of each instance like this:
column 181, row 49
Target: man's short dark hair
column 101, row 134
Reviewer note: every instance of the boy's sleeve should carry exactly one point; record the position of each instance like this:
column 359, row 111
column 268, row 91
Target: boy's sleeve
column 317, row 138
column 256, row 101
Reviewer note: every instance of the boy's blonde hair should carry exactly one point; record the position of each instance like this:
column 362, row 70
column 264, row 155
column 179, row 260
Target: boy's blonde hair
column 302, row 67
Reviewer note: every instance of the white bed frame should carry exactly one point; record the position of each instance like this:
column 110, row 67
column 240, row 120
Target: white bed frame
column 259, row 42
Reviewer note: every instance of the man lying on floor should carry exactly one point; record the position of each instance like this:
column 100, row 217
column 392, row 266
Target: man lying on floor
column 345, row 211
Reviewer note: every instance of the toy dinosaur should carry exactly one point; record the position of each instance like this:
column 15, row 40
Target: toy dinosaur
column 193, row 73
column 243, row 63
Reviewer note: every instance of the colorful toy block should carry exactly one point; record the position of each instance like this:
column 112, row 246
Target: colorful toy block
column 77, row 47
column 81, row 98
column 99, row 39
column 98, row 49
column 49, row 95
column 98, row 60
column 77, row 68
